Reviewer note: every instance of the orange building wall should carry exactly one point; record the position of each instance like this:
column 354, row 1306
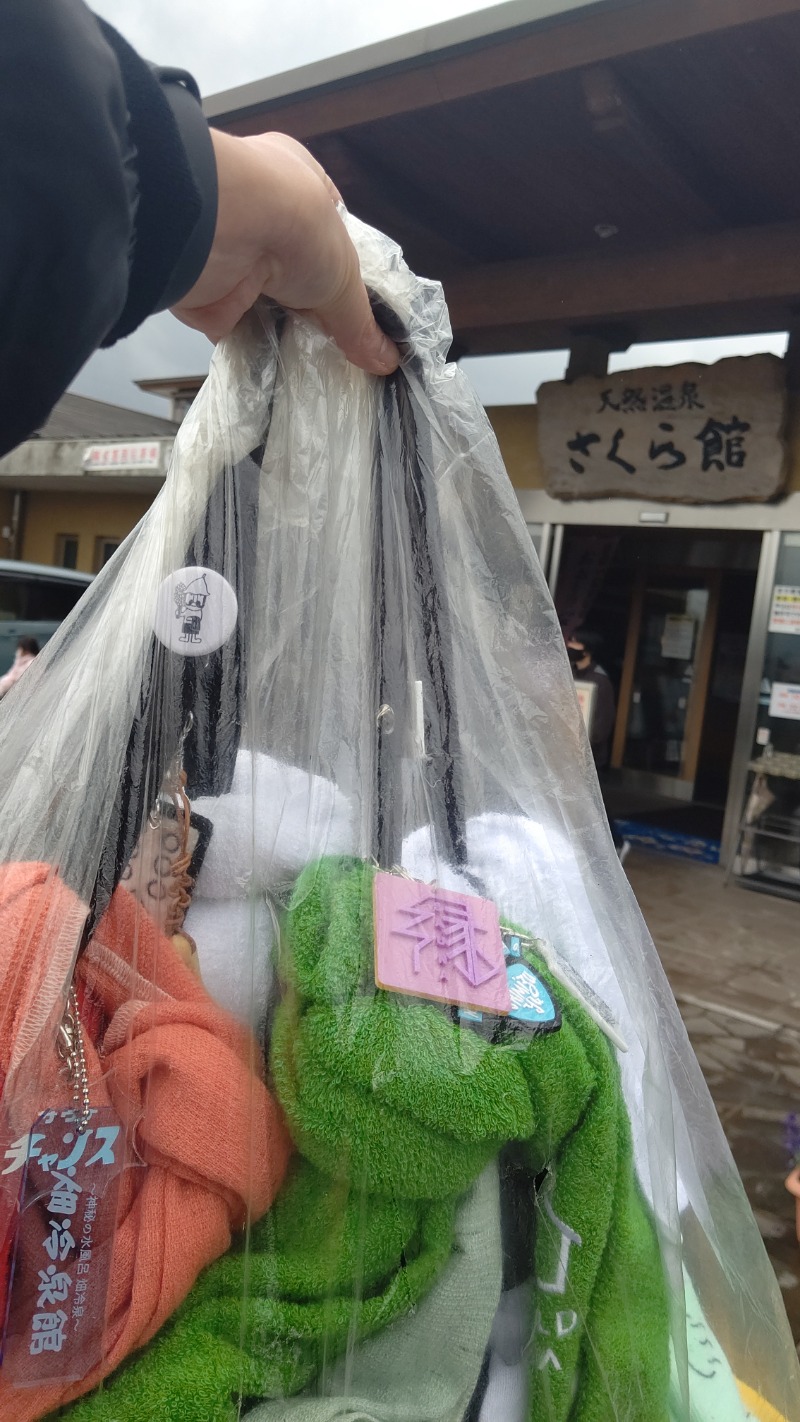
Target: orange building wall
column 89, row 516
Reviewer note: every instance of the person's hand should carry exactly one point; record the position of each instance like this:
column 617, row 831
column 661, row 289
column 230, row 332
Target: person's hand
column 279, row 234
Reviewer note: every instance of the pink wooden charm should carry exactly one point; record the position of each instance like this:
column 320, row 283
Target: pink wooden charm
column 434, row 943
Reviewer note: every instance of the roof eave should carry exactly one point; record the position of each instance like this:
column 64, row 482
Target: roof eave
column 401, row 50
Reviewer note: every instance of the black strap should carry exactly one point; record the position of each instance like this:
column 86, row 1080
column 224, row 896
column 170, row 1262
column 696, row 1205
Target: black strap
column 204, row 694
column 412, row 619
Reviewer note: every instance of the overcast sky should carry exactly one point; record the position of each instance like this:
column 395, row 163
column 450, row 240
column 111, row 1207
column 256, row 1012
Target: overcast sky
column 235, row 41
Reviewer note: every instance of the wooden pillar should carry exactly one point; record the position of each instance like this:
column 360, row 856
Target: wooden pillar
column 625, row 699
column 792, row 357
column 590, row 349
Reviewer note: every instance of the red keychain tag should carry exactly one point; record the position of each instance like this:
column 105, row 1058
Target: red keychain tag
column 71, row 1163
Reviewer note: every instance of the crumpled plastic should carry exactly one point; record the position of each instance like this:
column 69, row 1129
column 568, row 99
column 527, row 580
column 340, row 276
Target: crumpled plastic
column 396, row 652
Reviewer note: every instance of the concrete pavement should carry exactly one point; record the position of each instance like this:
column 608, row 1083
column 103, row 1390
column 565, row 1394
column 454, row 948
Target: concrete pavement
column 733, row 960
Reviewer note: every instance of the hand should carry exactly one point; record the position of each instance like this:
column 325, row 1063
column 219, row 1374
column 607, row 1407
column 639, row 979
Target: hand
column 279, row 234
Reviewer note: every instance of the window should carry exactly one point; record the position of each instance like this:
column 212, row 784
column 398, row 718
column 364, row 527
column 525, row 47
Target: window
column 66, row 550
column 37, row 599
column 103, row 549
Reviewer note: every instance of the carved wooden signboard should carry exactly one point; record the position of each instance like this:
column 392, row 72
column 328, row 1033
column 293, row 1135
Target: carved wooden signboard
column 700, row 434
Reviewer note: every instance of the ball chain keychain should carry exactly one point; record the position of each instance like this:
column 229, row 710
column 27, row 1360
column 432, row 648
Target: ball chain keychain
column 69, row 1045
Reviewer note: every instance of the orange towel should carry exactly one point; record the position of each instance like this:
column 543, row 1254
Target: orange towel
column 181, row 1074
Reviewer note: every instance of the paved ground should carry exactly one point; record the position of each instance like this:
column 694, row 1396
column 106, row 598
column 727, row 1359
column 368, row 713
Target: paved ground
column 733, row 959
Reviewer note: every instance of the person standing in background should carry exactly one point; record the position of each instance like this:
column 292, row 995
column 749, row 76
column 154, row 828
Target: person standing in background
column 27, row 651
column 603, row 714
column 604, row 707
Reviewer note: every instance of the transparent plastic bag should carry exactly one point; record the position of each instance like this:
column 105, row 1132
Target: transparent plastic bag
column 320, row 968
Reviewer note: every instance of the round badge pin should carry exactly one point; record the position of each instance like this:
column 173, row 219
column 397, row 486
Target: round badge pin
column 196, row 611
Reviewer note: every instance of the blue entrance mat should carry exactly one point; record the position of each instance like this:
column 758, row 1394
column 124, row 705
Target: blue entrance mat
column 663, row 841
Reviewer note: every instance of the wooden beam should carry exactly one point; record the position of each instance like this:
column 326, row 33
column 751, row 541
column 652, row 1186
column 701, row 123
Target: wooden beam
column 589, row 352
column 628, row 672
column 728, row 268
column 690, row 323
column 552, row 47
column 369, row 182
column 791, row 362
column 626, row 126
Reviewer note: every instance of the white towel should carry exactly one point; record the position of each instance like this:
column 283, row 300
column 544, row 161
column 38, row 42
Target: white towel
column 506, row 1396
column 235, row 939
column 276, row 819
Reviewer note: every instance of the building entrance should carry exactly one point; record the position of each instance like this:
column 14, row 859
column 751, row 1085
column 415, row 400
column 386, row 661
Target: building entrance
column 667, row 613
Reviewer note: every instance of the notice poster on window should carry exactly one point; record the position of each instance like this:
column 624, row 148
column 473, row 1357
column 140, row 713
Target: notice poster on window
column 785, row 613
column 677, row 639
column 586, row 692
column 784, row 701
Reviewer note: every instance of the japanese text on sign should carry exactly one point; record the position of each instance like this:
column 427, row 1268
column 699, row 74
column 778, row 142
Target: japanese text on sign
column 784, row 614
column 68, row 1166
column 701, row 434
column 122, row 456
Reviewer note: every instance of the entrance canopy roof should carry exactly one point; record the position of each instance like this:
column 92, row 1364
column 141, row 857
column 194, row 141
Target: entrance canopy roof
column 624, row 167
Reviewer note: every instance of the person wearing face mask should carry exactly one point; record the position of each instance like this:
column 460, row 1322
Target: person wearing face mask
column 604, row 707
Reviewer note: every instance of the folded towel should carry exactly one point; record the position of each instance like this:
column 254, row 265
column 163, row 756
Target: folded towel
column 531, row 872
column 235, row 940
column 323, row 1270
column 423, row 1367
column 276, row 819
column 403, row 1096
column 179, row 1074
column 713, row 1392
column 381, row 1088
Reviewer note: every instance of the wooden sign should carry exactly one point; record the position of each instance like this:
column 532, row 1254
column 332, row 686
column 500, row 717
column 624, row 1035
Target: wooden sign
column 696, row 434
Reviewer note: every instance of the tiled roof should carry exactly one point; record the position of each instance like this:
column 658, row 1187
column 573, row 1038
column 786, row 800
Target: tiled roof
column 76, row 417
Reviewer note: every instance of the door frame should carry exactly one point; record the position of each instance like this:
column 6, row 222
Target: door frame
column 698, row 693
column 751, row 686
column 769, row 520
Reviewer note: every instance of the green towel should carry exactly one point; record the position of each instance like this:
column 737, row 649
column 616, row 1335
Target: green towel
column 600, row 1331
column 323, row 1269
column 424, row 1367
column 393, row 1092
column 378, row 1087
column 397, row 1107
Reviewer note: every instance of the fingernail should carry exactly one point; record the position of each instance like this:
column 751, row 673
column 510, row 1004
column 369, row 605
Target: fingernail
column 388, row 354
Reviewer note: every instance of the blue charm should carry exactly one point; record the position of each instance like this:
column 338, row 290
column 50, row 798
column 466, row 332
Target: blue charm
column 530, row 1000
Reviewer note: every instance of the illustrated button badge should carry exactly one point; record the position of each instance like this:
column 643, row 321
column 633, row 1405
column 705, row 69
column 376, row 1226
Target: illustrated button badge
column 196, row 611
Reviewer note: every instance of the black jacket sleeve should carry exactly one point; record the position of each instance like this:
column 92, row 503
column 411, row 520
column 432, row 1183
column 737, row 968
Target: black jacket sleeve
column 107, row 198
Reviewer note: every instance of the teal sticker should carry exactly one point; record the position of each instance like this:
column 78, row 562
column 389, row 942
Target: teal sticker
column 530, row 1000
column 513, row 944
